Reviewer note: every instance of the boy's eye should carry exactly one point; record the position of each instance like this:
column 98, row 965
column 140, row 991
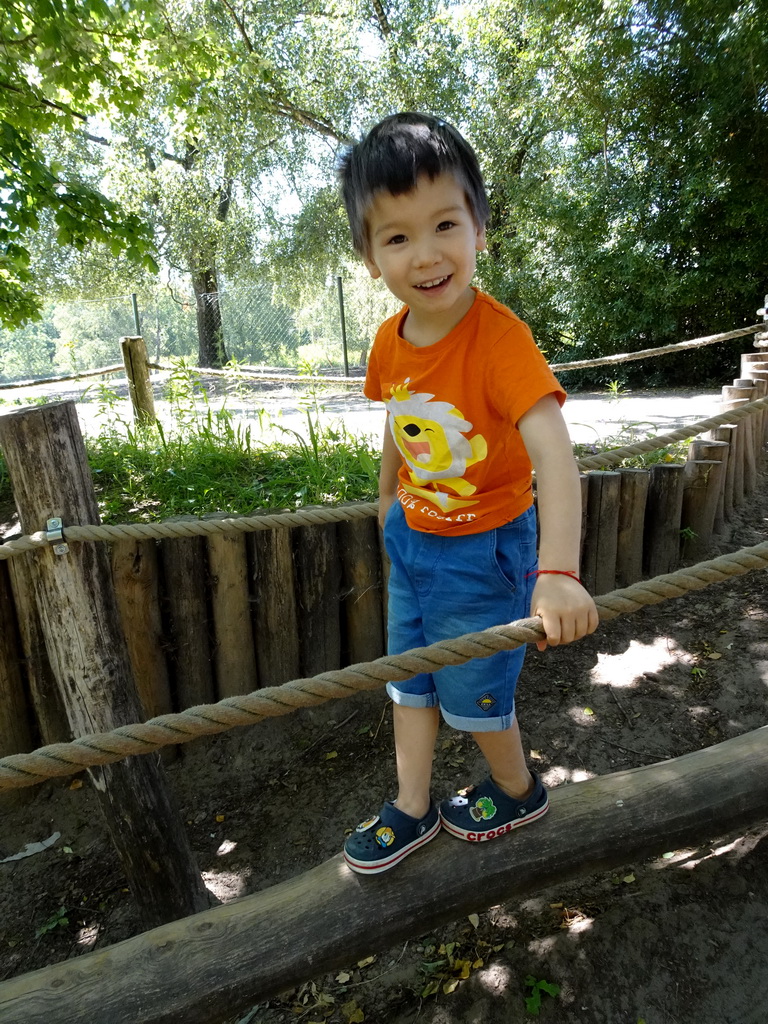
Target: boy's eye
column 445, row 225
column 396, row 240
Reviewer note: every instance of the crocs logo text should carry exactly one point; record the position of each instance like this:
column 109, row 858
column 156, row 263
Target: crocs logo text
column 473, row 837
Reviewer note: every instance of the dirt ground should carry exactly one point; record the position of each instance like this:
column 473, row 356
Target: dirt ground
column 678, row 940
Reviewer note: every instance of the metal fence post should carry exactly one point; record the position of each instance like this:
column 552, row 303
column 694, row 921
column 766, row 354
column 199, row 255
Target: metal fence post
column 343, row 326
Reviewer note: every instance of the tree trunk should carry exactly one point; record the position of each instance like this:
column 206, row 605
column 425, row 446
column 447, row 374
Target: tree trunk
column 45, row 455
column 210, row 330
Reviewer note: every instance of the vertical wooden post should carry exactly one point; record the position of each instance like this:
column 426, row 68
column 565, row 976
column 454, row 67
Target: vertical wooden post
column 361, row 590
column 184, row 585
column 234, row 655
column 726, row 434
column 700, row 448
column 275, row 622
column 137, row 588
column 139, row 386
column 46, row 460
column 15, row 715
column 662, row 519
column 318, row 579
column 733, row 398
column 700, row 492
column 46, row 699
column 600, row 543
column 632, row 502
column 747, row 389
column 737, row 450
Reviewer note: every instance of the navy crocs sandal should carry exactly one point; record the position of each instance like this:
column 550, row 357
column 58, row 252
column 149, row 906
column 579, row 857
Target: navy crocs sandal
column 381, row 842
column 486, row 812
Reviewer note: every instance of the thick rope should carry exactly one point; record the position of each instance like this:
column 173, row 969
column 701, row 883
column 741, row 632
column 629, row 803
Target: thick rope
column 663, row 350
column 59, row 759
column 98, row 372
column 651, row 444
column 195, row 527
column 248, row 524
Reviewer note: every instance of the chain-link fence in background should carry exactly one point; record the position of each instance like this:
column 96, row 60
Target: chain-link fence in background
column 257, row 326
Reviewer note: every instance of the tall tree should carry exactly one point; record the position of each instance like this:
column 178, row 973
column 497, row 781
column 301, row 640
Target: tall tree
column 61, row 63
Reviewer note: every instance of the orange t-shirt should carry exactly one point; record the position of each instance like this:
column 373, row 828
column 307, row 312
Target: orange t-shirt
column 453, row 411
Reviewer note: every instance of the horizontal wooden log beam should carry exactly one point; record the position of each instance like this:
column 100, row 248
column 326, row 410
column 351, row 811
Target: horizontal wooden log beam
column 221, row 961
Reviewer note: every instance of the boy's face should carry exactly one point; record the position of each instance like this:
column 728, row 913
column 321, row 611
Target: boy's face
column 423, row 244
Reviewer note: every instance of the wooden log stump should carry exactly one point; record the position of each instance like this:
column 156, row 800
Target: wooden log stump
column 217, row 965
column 234, row 652
column 46, row 459
column 318, row 584
column 601, row 541
column 725, row 434
column 275, row 621
column 139, row 385
column 734, row 398
column 186, row 604
column 738, row 452
column 361, row 590
column 135, row 573
column 701, row 448
column 17, row 734
column 661, row 543
column 584, row 481
column 701, row 488
column 633, row 497
column 47, row 703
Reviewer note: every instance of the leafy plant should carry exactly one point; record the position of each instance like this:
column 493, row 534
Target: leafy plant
column 58, row 919
column 533, row 1001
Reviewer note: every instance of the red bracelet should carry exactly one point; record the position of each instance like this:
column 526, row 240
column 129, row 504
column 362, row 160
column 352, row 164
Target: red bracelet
column 554, row 572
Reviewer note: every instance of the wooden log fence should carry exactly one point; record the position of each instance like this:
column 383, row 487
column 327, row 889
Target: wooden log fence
column 208, row 618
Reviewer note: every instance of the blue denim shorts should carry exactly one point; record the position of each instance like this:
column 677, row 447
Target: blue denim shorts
column 441, row 587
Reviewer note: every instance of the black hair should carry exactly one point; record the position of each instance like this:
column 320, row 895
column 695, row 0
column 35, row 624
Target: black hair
column 391, row 158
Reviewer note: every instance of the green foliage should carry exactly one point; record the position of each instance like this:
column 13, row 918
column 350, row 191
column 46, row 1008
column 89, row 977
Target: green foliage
column 533, row 1001
column 58, row 919
column 62, row 62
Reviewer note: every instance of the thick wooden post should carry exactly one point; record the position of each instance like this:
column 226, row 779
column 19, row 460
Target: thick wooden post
column 734, row 398
column 318, row 583
column 701, row 448
column 139, row 386
column 726, row 435
column 136, row 580
column 632, row 502
column 662, row 519
column 234, row 655
column 275, row 623
column 46, row 699
column 600, row 543
column 361, row 589
column 46, row 460
column 16, row 735
column 700, row 492
column 183, row 561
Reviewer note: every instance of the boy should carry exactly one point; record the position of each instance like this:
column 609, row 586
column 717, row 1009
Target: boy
column 471, row 407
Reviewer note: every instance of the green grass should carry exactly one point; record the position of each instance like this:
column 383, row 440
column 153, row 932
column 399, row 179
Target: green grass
column 208, row 463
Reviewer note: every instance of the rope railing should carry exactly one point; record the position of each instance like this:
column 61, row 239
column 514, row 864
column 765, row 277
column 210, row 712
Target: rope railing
column 61, row 759
column 248, row 524
column 662, row 350
column 614, row 456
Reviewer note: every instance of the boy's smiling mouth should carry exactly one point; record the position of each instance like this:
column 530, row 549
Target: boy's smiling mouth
column 435, row 283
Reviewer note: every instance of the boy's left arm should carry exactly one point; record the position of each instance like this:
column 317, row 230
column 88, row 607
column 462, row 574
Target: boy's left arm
column 566, row 609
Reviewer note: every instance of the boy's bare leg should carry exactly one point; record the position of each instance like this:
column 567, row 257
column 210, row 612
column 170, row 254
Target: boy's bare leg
column 415, row 735
column 504, row 753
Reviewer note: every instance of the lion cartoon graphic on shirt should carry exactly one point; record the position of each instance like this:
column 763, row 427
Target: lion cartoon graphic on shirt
column 431, row 436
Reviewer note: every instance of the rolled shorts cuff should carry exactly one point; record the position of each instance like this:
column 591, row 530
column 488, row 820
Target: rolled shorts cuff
column 412, row 700
column 498, row 724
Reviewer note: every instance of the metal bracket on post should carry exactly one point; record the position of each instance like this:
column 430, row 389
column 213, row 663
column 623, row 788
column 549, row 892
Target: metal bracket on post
column 56, row 537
